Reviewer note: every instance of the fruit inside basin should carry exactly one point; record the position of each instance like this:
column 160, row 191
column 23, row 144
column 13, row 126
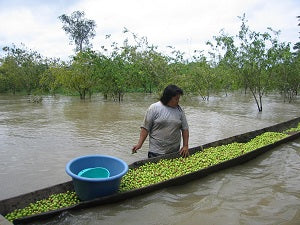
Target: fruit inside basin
column 96, row 176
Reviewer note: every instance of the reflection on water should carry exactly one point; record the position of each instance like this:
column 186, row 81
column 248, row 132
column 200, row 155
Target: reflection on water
column 37, row 140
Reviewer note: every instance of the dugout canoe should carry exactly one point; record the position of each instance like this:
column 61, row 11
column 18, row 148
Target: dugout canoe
column 23, row 200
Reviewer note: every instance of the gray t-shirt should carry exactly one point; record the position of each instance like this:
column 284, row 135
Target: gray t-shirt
column 164, row 125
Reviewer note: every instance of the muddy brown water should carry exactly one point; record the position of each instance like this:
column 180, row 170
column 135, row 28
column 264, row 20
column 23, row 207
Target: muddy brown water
column 37, row 140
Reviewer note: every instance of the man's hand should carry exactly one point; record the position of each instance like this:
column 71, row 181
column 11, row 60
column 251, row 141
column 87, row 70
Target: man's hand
column 135, row 148
column 184, row 151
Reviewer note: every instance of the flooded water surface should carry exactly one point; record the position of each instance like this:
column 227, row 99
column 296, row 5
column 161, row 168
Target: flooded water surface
column 37, row 141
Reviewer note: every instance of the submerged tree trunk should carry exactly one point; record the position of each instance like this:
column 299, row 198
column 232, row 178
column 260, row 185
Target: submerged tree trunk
column 257, row 101
column 120, row 96
column 82, row 94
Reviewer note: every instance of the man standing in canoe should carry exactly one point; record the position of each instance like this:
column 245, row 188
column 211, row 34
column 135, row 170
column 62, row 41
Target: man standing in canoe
column 165, row 122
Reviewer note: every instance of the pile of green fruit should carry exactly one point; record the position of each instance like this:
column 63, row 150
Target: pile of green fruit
column 152, row 173
column 55, row 201
column 294, row 129
column 165, row 169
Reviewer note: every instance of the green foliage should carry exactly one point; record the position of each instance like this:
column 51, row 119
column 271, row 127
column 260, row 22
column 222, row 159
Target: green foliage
column 204, row 80
column 113, row 73
column 251, row 60
column 21, row 69
column 81, row 76
column 49, row 81
column 149, row 68
column 286, row 70
column 256, row 61
column 10, row 75
column 254, row 58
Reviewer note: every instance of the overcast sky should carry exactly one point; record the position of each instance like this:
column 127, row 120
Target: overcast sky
column 183, row 24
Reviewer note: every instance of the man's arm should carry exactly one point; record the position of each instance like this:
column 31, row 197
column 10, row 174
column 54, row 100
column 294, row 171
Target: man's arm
column 184, row 151
column 143, row 136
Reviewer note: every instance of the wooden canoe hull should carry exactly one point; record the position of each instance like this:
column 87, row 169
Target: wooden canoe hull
column 21, row 201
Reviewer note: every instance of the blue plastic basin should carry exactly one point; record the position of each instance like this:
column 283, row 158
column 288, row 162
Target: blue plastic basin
column 89, row 188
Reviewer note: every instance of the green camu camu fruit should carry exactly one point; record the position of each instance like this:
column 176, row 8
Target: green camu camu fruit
column 55, row 201
column 294, row 129
column 165, row 169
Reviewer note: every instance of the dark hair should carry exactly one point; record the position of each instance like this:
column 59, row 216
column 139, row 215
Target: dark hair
column 169, row 92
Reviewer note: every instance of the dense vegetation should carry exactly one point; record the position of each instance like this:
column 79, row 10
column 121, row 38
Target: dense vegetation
column 250, row 61
column 164, row 169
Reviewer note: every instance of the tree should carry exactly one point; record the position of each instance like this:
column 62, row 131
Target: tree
column 149, row 67
column 50, row 80
column 10, row 75
column 287, row 70
column 21, row 69
column 203, row 79
column 224, row 61
column 81, row 76
column 177, row 71
column 297, row 45
column 255, row 60
column 113, row 72
column 80, row 30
